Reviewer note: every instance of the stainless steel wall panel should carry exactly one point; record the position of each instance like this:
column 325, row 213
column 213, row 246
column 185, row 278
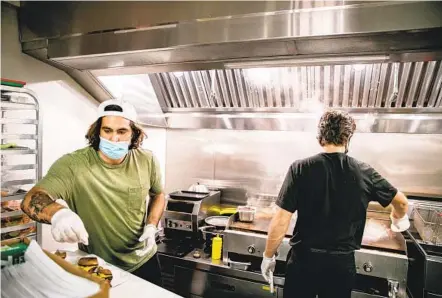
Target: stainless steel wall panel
column 258, row 160
column 430, row 123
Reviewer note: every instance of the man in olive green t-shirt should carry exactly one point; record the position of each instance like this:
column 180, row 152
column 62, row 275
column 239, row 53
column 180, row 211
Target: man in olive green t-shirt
column 107, row 187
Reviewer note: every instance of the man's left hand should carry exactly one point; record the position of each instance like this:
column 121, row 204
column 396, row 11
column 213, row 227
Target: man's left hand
column 399, row 224
column 148, row 237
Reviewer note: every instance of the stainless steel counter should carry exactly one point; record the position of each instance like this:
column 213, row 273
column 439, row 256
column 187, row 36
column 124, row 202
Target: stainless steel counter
column 206, row 263
column 204, row 277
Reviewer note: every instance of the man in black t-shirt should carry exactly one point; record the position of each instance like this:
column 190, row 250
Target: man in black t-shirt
column 331, row 192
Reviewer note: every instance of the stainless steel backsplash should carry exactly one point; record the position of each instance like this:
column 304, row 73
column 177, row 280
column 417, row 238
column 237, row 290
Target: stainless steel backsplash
column 255, row 162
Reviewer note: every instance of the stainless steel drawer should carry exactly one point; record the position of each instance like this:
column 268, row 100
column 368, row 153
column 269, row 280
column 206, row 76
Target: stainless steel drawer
column 205, row 284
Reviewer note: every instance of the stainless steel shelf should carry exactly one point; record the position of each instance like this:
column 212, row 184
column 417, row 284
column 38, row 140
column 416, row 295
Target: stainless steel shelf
column 18, row 151
column 11, row 213
column 17, row 121
column 31, row 236
column 18, row 136
column 18, row 167
column 17, row 106
column 6, row 184
column 18, row 227
column 15, row 197
column 8, row 123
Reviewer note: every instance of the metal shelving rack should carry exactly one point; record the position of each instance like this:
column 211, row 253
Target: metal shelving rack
column 21, row 165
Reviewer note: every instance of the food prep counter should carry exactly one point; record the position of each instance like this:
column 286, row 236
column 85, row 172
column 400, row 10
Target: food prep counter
column 131, row 285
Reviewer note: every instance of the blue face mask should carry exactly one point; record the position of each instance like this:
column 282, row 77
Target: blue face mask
column 113, row 150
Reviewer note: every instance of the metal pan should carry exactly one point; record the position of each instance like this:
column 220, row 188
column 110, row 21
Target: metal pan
column 208, row 232
column 188, row 195
column 220, row 222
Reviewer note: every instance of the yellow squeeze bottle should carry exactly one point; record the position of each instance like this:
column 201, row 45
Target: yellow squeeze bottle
column 217, row 244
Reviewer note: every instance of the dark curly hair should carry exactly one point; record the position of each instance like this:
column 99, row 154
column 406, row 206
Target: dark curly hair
column 93, row 135
column 335, row 127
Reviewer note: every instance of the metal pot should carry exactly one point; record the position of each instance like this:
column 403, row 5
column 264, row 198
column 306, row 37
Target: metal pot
column 246, row 213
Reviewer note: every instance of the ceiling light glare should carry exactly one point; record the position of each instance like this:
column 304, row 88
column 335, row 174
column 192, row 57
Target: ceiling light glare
column 261, row 76
column 358, row 67
column 178, row 74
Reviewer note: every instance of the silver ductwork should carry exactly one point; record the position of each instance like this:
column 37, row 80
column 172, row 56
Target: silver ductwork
column 271, row 65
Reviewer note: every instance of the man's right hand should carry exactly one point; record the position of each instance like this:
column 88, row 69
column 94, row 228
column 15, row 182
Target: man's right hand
column 68, row 227
column 267, row 267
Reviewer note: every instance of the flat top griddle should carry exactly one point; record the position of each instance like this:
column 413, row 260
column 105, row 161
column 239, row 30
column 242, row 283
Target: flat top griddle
column 384, row 240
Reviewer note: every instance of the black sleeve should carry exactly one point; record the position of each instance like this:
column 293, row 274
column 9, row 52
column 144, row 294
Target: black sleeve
column 382, row 191
column 287, row 198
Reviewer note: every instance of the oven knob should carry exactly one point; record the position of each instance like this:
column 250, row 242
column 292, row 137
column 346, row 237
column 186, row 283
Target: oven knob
column 251, row 249
column 368, row 267
column 175, row 224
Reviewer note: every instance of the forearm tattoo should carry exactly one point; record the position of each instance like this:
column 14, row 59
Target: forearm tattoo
column 40, row 207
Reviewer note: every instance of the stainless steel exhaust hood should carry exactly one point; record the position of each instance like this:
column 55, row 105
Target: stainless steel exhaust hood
column 250, row 65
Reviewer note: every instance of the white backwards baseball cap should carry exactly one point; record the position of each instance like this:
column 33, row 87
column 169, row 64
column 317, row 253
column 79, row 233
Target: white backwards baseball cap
column 120, row 108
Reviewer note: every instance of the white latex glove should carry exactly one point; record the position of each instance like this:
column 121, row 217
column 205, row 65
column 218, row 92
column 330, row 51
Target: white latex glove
column 149, row 237
column 68, row 227
column 267, row 268
column 399, row 224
